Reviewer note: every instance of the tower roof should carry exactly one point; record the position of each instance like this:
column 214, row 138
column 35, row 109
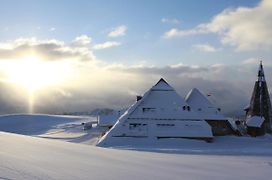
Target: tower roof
column 261, row 76
column 260, row 104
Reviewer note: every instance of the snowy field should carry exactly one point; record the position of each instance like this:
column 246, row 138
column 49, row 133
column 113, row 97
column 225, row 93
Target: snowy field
column 66, row 128
column 24, row 157
column 70, row 129
column 42, row 149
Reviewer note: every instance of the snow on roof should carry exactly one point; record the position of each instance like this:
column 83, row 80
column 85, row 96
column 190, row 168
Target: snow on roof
column 162, row 85
column 247, row 107
column 196, row 98
column 108, row 119
column 255, row 121
column 202, row 105
column 161, row 103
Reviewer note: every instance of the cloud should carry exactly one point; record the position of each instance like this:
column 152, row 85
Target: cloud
column 118, row 31
column 95, row 84
column 243, row 28
column 178, row 69
column 177, row 33
column 251, row 61
column 50, row 50
column 205, row 48
column 105, row 45
column 170, row 21
column 11, row 100
column 231, row 86
column 116, row 86
column 82, row 40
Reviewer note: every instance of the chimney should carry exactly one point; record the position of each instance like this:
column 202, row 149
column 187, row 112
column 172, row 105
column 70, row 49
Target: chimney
column 138, row 98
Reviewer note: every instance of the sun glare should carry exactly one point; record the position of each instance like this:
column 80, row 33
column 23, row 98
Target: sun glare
column 33, row 73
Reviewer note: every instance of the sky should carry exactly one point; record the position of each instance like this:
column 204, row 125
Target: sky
column 64, row 56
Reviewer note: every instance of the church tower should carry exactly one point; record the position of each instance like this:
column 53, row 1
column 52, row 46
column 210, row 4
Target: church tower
column 260, row 104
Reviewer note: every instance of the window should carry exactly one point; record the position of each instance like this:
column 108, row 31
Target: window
column 149, row 110
column 136, row 125
column 165, row 125
column 188, row 108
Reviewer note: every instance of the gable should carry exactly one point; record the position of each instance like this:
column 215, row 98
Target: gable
column 202, row 105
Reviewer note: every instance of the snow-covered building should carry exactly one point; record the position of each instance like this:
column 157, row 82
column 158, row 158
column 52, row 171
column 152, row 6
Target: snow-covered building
column 207, row 111
column 108, row 119
column 255, row 126
column 160, row 113
column 260, row 105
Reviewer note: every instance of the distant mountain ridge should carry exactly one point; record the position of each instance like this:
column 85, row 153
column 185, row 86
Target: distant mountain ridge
column 95, row 112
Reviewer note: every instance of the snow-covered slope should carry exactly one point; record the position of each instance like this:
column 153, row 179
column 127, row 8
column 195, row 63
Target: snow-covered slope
column 67, row 128
column 24, row 157
column 33, row 124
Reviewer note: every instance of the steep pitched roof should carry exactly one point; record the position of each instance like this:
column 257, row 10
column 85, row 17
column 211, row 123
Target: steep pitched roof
column 202, row 105
column 162, row 85
column 196, row 98
column 160, row 104
column 164, row 101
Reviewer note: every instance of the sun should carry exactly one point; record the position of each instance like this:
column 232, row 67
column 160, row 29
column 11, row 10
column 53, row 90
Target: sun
column 33, row 73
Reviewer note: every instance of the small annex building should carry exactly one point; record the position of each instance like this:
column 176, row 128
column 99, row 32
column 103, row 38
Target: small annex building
column 108, row 119
column 255, row 126
column 211, row 114
column 160, row 114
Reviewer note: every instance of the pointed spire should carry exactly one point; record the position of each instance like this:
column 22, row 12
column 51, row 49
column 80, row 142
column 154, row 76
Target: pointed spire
column 260, row 104
column 261, row 73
